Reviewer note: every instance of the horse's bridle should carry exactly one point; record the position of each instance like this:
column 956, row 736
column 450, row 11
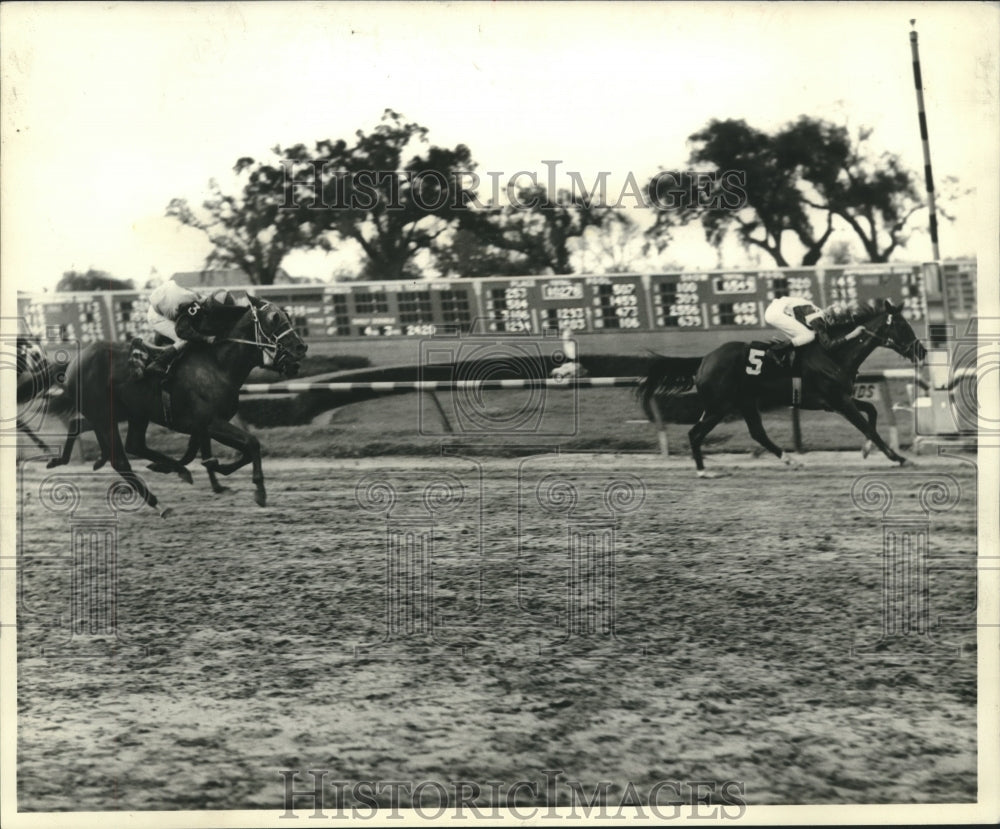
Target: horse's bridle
column 265, row 342
column 889, row 342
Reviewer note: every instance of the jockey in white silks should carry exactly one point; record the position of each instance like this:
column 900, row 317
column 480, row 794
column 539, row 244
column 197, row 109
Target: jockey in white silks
column 167, row 303
column 803, row 322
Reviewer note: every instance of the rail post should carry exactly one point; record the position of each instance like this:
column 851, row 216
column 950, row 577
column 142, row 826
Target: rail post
column 796, row 423
column 890, row 416
column 444, row 417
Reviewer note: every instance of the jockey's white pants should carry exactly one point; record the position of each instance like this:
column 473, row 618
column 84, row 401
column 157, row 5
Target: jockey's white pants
column 161, row 325
column 781, row 315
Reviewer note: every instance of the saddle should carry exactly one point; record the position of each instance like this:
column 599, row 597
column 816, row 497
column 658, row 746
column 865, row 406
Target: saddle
column 771, row 357
column 141, row 354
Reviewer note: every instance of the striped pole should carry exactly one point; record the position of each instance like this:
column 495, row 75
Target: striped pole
column 928, row 177
column 305, row 385
column 292, row 387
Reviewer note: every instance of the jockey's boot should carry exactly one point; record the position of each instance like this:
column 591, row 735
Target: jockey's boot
column 162, row 362
column 781, row 353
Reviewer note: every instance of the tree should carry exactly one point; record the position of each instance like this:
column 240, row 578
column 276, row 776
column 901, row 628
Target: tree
column 614, row 247
column 392, row 206
column 795, row 182
column 874, row 195
column 468, row 253
column 92, row 280
column 839, row 253
column 254, row 231
column 530, row 235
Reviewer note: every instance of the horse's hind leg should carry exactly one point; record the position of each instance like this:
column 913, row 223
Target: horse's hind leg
column 210, row 463
column 194, row 444
column 200, row 442
column 697, row 434
column 74, row 429
column 756, row 426
column 135, row 444
column 112, row 445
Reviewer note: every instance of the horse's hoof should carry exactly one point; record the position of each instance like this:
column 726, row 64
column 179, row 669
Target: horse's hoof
column 166, row 512
column 866, row 450
column 156, row 466
column 906, row 462
column 219, row 490
column 704, row 473
column 185, row 475
column 261, row 498
column 52, row 464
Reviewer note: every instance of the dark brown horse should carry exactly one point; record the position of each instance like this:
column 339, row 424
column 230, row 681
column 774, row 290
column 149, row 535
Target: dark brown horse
column 735, row 378
column 203, row 393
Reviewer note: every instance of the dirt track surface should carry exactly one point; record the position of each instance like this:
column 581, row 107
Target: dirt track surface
column 302, row 636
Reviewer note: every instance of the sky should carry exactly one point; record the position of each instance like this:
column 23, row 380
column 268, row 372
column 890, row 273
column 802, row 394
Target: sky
column 111, row 110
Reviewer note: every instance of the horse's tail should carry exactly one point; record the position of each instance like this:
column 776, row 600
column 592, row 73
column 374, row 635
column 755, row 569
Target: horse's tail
column 40, row 383
column 59, row 402
column 34, row 382
column 667, row 376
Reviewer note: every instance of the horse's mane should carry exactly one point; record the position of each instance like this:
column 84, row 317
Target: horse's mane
column 224, row 310
column 856, row 313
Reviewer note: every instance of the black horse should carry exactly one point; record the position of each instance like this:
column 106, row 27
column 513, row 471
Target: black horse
column 737, row 378
column 203, row 393
column 211, row 323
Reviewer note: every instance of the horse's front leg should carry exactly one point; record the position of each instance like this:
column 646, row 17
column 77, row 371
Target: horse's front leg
column 211, row 463
column 850, row 410
column 248, row 446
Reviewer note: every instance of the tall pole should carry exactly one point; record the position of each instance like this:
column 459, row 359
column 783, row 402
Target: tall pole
column 928, row 177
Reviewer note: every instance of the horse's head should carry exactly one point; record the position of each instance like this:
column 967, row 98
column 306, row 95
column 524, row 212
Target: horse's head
column 281, row 347
column 890, row 329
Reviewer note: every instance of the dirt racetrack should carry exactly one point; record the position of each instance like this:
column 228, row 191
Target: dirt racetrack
column 463, row 619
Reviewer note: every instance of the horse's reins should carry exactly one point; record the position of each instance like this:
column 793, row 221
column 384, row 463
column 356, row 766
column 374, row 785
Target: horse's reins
column 889, row 342
column 261, row 340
